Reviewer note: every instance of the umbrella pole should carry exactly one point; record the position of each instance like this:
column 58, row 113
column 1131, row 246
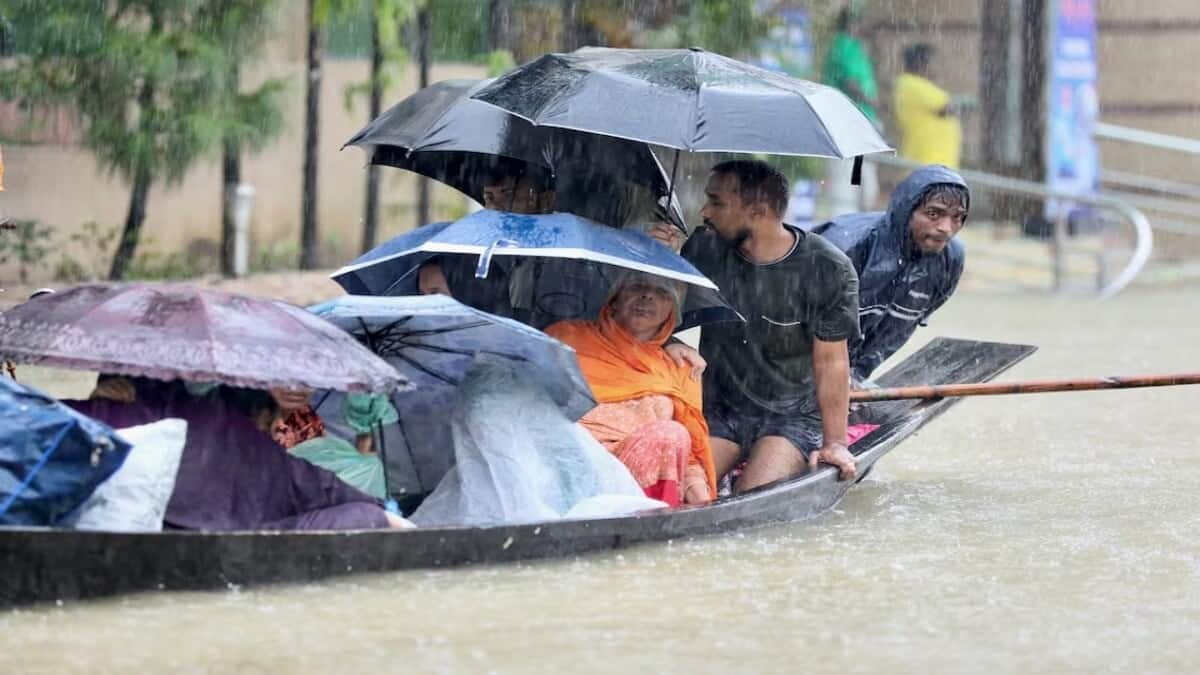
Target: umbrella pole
column 378, row 433
column 671, row 186
column 407, row 446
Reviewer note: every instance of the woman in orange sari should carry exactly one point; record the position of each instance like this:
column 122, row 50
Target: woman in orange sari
column 649, row 413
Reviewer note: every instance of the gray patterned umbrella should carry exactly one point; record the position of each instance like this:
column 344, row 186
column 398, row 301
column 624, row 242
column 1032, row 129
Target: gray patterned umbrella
column 172, row 331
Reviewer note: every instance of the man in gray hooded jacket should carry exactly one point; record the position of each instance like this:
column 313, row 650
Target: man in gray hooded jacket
column 907, row 259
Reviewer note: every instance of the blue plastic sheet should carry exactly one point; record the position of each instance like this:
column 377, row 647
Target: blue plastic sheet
column 51, row 457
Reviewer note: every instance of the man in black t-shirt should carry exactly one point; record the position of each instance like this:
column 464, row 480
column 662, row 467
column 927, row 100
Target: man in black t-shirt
column 776, row 389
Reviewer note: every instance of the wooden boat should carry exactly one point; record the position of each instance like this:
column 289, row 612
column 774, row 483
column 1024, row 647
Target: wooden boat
column 46, row 565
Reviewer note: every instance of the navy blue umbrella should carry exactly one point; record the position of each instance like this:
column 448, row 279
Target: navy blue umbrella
column 391, row 268
column 51, row 457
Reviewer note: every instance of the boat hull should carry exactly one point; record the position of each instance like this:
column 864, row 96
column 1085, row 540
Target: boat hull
column 46, row 565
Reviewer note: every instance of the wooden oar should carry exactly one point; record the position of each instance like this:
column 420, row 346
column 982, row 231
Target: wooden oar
column 1034, row 387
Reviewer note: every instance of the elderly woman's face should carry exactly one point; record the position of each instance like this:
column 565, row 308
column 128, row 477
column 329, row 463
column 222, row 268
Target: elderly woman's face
column 641, row 308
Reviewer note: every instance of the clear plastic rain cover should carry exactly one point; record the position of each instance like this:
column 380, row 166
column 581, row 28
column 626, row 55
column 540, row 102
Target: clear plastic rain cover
column 520, row 460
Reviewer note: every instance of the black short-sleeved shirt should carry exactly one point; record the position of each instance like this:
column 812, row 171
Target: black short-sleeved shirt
column 766, row 363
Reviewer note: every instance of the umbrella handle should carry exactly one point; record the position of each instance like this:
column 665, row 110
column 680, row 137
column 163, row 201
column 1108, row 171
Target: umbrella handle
column 485, row 259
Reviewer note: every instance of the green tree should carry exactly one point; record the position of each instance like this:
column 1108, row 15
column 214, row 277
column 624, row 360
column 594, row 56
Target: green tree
column 320, row 13
column 252, row 118
column 387, row 18
column 730, row 27
column 146, row 82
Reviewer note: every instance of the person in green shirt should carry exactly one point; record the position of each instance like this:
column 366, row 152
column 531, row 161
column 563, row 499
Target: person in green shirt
column 848, row 68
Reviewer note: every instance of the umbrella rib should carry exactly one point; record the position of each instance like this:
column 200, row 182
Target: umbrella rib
column 367, row 333
column 438, row 349
column 510, row 357
column 447, row 329
column 425, row 369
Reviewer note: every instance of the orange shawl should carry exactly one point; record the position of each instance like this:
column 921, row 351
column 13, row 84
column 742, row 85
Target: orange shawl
column 619, row 367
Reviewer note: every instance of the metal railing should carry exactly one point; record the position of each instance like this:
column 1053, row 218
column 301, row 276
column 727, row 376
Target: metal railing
column 1175, row 204
column 1127, row 181
column 1114, row 132
column 1143, row 245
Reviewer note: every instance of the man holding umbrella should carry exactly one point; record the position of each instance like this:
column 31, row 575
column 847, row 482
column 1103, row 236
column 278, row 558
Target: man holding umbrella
column 776, row 390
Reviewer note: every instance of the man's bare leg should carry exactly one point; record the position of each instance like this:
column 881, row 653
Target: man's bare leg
column 772, row 458
column 725, row 455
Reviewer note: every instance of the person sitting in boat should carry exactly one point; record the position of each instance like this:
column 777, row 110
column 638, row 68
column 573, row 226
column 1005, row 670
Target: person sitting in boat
column 512, row 186
column 776, row 387
column 233, row 475
column 650, row 408
column 288, row 417
column 283, row 414
column 907, row 258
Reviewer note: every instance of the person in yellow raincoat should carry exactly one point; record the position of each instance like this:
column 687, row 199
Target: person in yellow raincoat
column 926, row 114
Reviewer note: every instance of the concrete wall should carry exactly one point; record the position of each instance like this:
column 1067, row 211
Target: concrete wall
column 1148, row 79
column 1147, row 52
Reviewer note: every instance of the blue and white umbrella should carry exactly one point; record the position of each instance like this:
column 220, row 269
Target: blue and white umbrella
column 489, row 233
column 433, row 340
column 391, row 268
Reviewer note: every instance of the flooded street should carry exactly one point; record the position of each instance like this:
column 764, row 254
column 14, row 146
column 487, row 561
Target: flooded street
column 1047, row 533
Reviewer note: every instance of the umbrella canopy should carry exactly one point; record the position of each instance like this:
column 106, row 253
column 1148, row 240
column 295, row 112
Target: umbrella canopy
column 490, row 233
column 391, row 268
column 433, row 340
column 442, row 133
column 51, row 457
column 172, row 331
column 687, row 99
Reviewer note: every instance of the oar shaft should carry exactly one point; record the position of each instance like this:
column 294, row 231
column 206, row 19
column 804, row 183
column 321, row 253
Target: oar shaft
column 1034, row 387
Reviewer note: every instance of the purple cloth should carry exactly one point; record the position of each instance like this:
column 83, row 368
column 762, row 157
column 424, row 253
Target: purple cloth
column 235, row 477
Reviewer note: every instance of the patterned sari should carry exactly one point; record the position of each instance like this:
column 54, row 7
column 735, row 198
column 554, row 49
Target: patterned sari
column 650, row 409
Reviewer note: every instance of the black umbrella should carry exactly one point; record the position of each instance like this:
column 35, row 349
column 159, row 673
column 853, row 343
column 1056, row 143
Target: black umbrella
column 687, row 99
column 442, row 133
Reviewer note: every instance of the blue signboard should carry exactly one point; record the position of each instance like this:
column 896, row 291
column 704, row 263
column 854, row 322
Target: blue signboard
column 1072, row 158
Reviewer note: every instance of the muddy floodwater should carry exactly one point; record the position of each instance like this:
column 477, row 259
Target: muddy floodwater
column 1047, row 533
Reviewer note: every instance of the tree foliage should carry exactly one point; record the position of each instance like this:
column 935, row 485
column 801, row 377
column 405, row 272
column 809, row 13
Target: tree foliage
column 729, row 27
column 389, row 18
column 250, row 118
column 148, row 79
column 103, row 58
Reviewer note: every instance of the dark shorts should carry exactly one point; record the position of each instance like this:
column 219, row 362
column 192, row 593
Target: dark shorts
column 746, row 423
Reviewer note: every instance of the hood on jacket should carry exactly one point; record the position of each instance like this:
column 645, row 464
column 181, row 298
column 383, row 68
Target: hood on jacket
column 907, row 194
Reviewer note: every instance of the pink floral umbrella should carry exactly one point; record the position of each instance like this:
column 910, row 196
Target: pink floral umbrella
column 173, row 331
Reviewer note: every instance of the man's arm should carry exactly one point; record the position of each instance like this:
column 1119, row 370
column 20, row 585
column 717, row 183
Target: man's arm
column 668, row 235
column 684, row 356
column 856, row 93
column 831, row 374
